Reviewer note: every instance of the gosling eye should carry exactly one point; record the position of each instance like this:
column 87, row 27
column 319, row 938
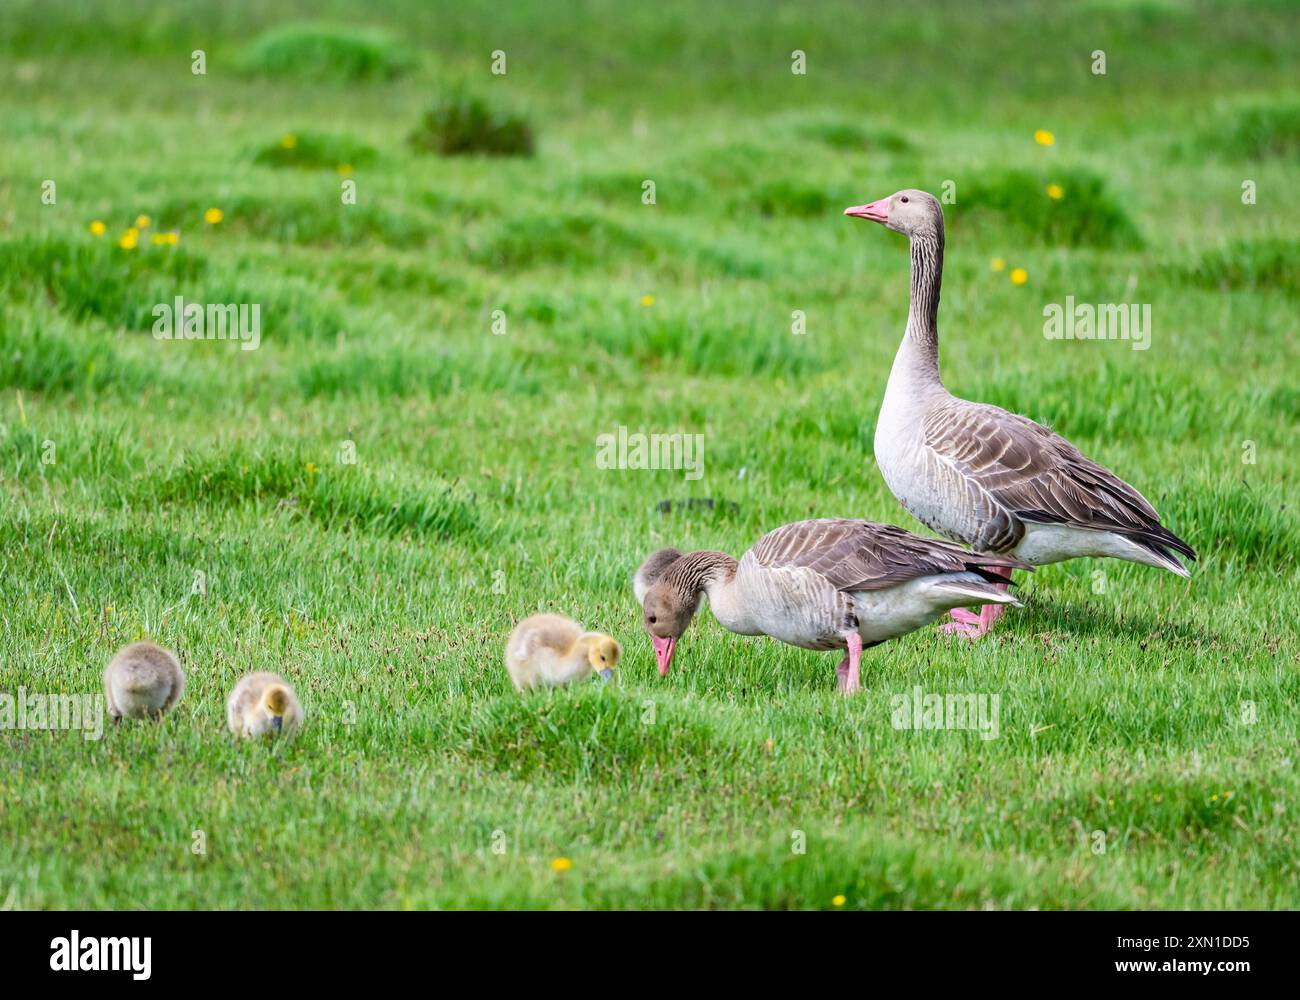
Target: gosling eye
column 904, row 199
column 651, row 619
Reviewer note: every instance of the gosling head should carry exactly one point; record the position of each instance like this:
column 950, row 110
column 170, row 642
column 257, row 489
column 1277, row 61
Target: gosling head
column 910, row 212
column 275, row 703
column 603, row 653
column 667, row 613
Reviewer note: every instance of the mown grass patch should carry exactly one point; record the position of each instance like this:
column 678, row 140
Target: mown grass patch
column 323, row 51
column 1085, row 214
column 326, row 490
column 310, row 150
column 1255, row 266
column 1256, row 131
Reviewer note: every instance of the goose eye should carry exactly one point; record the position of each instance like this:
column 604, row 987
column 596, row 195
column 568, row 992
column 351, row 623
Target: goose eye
column 904, row 199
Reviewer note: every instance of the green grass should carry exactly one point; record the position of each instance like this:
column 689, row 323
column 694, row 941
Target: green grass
column 1154, row 711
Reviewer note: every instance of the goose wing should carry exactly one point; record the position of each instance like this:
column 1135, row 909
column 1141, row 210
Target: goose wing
column 1009, row 469
column 862, row 555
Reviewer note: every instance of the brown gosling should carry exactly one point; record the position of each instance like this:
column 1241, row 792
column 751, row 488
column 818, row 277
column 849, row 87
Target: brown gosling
column 143, row 681
column 263, row 704
column 551, row 650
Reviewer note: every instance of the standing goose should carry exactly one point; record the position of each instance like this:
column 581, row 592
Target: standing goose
column 984, row 477
column 822, row 584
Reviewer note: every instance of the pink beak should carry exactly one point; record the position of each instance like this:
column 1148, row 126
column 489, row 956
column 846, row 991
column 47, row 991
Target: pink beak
column 877, row 211
column 663, row 653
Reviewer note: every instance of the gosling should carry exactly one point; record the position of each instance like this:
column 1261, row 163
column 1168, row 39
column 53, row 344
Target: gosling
column 143, row 681
column 551, row 650
column 263, row 704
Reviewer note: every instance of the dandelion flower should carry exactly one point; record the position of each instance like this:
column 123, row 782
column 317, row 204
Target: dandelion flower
column 213, row 215
column 345, row 169
column 1055, row 192
column 1044, row 137
column 290, row 141
column 312, row 468
column 1019, row 276
column 838, row 901
column 173, row 238
column 158, row 239
column 647, row 300
column 998, row 264
column 128, row 240
column 561, row 865
column 97, row 228
column 142, row 222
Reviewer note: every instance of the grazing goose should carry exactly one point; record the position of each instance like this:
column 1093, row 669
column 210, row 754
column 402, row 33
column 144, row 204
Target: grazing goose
column 822, row 584
column 550, row 650
column 984, row 477
column 143, row 681
column 263, row 704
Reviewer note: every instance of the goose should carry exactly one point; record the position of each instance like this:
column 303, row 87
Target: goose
column 974, row 473
column 550, row 650
column 142, row 681
column 829, row 583
column 263, row 704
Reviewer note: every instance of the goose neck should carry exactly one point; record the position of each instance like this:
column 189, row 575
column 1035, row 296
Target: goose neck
column 920, row 349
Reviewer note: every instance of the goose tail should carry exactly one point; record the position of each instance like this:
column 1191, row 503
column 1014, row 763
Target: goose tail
column 962, row 591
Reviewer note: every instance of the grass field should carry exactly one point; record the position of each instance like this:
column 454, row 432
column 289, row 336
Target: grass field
column 1149, row 738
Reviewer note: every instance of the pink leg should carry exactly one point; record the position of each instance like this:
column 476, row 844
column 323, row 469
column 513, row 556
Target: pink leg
column 972, row 626
column 849, row 670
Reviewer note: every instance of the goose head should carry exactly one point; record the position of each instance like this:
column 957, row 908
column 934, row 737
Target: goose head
column 275, row 703
column 651, row 570
column 910, row 212
column 667, row 613
column 603, row 653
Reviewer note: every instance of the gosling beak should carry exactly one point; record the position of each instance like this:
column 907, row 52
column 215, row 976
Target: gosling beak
column 877, row 211
column 607, row 674
column 663, row 653
column 276, row 722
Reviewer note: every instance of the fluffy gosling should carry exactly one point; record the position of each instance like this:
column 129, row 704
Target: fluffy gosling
column 263, row 704
column 550, row 650
column 143, row 681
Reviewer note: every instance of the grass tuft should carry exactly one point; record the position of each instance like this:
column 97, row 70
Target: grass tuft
column 465, row 125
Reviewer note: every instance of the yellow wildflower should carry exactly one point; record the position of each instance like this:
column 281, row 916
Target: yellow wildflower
column 1055, row 192
column 213, row 215
column 838, row 901
column 647, row 300
column 998, row 264
column 97, row 228
column 561, row 865
column 1044, row 137
column 1019, row 276
column 289, row 141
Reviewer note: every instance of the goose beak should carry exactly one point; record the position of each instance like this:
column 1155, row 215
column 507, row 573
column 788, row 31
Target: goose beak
column 877, row 211
column 607, row 675
column 277, row 722
column 663, row 653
